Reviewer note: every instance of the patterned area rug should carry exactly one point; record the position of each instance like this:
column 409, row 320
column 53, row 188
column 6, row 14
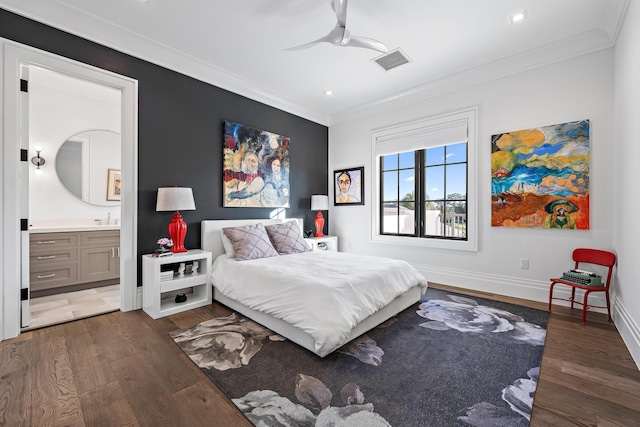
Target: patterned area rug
column 451, row 360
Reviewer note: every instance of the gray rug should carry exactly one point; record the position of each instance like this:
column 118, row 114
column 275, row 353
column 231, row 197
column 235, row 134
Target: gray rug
column 450, row 360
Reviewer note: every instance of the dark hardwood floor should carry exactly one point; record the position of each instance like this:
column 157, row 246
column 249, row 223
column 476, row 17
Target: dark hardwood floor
column 122, row 369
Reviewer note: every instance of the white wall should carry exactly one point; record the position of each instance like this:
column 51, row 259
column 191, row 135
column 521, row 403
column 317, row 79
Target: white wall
column 54, row 116
column 627, row 203
column 580, row 88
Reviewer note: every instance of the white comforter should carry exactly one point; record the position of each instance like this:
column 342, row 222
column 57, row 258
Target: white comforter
column 324, row 293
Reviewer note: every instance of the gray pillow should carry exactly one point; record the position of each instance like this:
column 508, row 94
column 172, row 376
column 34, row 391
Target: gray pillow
column 250, row 242
column 287, row 238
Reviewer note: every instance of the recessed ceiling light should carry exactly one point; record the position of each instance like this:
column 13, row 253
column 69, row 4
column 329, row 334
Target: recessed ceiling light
column 517, row 17
column 328, row 92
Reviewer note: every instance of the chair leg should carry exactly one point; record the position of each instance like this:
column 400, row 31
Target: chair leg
column 573, row 295
column 585, row 306
column 608, row 304
column 550, row 295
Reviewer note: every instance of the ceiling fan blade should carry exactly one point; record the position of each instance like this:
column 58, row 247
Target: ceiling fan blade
column 367, row 43
column 326, row 38
column 340, row 8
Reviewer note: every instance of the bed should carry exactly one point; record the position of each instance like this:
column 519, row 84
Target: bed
column 264, row 289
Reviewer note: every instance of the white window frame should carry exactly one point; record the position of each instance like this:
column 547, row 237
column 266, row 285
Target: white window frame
column 410, row 137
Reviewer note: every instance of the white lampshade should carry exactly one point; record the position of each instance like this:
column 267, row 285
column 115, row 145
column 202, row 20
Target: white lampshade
column 175, row 199
column 319, row 202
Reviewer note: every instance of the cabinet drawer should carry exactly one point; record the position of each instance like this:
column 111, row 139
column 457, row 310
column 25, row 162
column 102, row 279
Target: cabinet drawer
column 53, row 276
column 100, row 238
column 52, row 256
column 39, row 242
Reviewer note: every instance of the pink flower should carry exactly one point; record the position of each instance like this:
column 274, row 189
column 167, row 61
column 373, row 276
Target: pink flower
column 165, row 241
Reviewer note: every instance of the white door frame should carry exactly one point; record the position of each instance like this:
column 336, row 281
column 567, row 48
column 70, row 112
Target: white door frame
column 15, row 55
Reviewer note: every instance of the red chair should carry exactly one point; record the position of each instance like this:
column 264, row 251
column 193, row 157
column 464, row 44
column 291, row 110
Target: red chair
column 588, row 256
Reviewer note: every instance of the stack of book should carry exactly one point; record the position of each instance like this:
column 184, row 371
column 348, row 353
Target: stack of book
column 166, row 275
column 166, row 272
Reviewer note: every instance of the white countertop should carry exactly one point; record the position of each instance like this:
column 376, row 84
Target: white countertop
column 63, row 228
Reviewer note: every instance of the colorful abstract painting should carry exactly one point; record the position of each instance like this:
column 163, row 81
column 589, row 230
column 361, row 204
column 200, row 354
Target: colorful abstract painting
column 256, row 167
column 540, row 177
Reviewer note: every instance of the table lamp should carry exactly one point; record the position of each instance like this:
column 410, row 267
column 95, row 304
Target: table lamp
column 176, row 199
column 319, row 203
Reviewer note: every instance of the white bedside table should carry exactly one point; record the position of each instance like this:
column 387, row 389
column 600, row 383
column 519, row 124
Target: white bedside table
column 328, row 243
column 153, row 287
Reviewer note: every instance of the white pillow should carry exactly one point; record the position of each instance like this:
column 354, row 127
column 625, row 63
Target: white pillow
column 228, row 246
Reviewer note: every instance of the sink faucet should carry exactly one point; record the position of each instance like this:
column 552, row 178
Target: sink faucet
column 108, row 218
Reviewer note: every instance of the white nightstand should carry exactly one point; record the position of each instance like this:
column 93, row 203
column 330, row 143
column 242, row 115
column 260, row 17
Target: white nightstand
column 328, row 243
column 196, row 286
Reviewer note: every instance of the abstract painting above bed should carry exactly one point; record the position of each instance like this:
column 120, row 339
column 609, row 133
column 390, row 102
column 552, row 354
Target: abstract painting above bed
column 256, row 167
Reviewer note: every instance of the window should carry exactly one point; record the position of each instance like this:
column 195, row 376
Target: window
column 438, row 176
column 426, row 182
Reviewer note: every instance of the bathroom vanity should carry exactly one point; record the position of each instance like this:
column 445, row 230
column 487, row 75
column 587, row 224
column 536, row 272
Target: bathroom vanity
column 73, row 257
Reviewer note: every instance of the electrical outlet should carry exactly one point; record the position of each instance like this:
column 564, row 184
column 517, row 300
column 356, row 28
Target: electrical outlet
column 524, row 263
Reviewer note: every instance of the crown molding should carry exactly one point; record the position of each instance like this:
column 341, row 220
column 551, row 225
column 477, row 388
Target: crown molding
column 94, row 28
column 573, row 47
column 68, row 18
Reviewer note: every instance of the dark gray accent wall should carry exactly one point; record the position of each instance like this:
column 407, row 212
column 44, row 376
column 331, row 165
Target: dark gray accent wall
column 180, row 127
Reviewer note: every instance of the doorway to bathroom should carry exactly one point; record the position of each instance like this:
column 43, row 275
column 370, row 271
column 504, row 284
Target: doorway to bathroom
column 74, row 197
column 90, row 232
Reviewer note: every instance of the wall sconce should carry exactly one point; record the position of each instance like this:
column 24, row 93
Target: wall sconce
column 38, row 160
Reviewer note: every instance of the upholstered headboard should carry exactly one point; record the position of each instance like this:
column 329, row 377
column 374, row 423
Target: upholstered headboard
column 210, row 238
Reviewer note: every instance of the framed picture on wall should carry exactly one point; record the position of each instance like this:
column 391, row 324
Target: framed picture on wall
column 348, row 186
column 113, row 185
column 256, row 167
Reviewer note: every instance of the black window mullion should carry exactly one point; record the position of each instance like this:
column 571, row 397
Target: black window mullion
column 381, row 207
column 398, row 197
column 419, row 190
column 446, row 198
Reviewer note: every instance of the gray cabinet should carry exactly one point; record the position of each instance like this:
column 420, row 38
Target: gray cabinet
column 99, row 256
column 62, row 259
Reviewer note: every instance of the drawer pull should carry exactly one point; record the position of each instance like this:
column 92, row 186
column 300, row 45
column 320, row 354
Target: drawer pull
column 46, row 257
column 46, row 276
column 46, row 242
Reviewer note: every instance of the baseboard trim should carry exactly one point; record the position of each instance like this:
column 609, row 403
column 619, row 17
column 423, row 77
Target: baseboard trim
column 533, row 290
column 138, row 301
column 629, row 330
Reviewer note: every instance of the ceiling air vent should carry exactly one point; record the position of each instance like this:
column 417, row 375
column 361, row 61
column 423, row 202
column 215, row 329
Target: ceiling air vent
column 392, row 59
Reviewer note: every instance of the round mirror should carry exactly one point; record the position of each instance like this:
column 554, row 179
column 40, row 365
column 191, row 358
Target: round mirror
column 88, row 165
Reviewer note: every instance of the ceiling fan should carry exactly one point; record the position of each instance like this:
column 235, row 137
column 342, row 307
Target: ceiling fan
column 340, row 36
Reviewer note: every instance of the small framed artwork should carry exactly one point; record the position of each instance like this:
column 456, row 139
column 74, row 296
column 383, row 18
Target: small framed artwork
column 348, row 186
column 113, row 185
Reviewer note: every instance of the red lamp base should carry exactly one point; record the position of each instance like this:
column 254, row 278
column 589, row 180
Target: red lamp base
column 319, row 223
column 177, row 233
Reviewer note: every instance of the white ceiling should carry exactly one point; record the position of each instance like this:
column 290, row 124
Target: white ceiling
column 238, row 45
